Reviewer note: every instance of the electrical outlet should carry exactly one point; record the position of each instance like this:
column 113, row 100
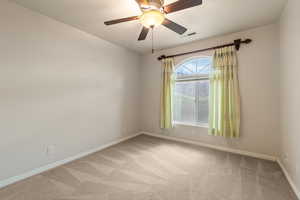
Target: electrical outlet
column 50, row 150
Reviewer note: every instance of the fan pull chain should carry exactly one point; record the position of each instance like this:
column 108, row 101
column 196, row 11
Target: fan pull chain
column 152, row 30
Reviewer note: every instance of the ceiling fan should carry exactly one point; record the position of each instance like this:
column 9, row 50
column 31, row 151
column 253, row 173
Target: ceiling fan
column 154, row 13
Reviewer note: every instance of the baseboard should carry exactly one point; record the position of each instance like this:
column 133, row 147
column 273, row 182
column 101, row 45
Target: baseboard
column 288, row 177
column 236, row 151
column 39, row 170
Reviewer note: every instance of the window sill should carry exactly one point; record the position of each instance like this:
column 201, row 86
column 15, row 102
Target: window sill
column 203, row 125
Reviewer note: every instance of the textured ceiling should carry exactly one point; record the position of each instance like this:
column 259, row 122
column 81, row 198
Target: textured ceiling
column 214, row 17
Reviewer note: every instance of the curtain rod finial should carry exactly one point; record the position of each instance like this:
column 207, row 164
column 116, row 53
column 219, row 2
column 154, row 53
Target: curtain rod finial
column 247, row 41
column 162, row 57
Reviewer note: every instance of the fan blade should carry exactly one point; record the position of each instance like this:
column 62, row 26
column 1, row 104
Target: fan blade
column 116, row 21
column 181, row 5
column 174, row 27
column 143, row 34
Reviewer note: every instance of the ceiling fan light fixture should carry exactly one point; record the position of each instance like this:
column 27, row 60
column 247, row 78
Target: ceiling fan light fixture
column 152, row 18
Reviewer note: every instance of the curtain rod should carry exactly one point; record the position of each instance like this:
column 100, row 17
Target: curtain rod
column 237, row 43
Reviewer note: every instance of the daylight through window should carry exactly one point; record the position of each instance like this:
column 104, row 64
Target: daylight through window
column 191, row 93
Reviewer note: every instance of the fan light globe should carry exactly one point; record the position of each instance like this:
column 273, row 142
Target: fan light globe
column 152, row 18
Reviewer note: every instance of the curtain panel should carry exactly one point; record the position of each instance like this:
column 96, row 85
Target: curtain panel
column 166, row 93
column 224, row 109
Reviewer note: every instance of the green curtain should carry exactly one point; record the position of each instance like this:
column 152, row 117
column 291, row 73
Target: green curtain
column 224, row 110
column 166, row 93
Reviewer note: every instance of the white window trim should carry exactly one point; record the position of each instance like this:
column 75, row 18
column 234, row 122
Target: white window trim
column 200, row 125
column 198, row 78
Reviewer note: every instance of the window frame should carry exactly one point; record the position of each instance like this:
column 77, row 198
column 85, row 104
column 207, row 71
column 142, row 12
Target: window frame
column 191, row 79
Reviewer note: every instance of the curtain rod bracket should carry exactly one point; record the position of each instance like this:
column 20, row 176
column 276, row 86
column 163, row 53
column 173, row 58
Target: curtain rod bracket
column 237, row 44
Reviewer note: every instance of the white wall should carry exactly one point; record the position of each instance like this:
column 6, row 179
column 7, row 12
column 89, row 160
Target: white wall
column 60, row 86
column 63, row 87
column 259, row 85
column 290, row 93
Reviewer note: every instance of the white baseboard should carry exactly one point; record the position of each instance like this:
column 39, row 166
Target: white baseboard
column 236, row 151
column 288, row 177
column 39, row 170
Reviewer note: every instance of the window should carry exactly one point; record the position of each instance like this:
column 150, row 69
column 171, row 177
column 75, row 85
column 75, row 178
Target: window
column 191, row 93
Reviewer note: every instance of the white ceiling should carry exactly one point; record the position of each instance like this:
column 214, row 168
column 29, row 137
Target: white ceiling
column 214, row 17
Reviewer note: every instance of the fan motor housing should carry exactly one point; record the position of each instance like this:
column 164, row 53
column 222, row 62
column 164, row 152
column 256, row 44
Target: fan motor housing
column 156, row 3
column 151, row 4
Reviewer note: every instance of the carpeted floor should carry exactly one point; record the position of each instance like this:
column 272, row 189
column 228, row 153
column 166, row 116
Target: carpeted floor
column 147, row 168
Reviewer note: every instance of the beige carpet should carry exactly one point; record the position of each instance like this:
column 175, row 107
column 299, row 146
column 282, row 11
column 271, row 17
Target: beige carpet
column 147, row 168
